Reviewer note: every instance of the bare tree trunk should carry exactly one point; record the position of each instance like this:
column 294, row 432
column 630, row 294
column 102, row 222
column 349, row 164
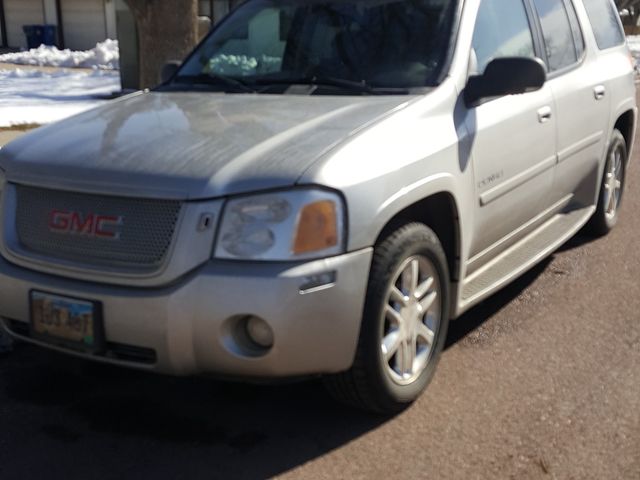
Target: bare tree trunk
column 167, row 30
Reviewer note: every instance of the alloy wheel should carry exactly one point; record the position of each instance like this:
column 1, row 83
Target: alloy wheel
column 412, row 317
column 613, row 183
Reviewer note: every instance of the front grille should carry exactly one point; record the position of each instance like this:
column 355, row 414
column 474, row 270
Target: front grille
column 143, row 237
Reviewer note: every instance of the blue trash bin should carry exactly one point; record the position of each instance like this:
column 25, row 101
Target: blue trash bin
column 39, row 34
column 34, row 34
column 49, row 34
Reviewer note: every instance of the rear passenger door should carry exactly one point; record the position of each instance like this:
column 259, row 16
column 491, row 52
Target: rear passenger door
column 581, row 99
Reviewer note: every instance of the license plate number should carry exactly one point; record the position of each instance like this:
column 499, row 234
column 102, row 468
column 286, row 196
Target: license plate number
column 69, row 321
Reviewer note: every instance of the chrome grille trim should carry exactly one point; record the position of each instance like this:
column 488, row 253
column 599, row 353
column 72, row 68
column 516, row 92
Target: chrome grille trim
column 145, row 238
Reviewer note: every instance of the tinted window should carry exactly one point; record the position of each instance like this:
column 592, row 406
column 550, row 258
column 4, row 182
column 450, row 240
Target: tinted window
column 502, row 30
column 604, row 20
column 558, row 37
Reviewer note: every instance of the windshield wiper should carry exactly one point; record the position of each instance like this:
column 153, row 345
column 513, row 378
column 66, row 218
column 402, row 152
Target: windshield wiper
column 328, row 81
column 320, row 80
column 217, row 79
column 341, row 83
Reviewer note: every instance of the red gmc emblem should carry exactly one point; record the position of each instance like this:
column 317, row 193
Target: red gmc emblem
column 89, row 225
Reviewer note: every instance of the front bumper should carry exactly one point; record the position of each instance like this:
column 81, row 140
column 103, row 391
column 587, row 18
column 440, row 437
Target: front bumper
column 189, row 326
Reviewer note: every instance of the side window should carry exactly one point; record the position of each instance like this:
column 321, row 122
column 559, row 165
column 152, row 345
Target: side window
column 502, row 30
column 606, row 25
column 557, row 33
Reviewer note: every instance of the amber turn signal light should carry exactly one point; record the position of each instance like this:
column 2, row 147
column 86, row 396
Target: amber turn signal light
column 317, row 227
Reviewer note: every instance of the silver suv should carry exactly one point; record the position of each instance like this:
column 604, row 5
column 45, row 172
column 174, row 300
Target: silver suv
column 319, row 188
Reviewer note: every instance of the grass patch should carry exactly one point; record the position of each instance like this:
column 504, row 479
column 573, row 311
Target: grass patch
column 23, row 127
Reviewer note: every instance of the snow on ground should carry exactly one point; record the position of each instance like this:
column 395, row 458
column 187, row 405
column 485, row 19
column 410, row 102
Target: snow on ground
column 32, row 96
column 105, row 55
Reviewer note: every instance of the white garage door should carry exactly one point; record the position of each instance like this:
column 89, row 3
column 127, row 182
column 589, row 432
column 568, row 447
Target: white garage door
column 19, row 13
column 84, row 23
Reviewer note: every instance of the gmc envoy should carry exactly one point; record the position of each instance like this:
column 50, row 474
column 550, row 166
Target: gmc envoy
column 319, row 188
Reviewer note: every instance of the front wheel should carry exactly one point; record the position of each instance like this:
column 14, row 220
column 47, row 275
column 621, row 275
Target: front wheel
column 404, row 325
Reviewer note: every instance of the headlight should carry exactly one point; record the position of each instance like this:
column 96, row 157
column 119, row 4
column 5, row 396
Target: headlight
column 290, row 225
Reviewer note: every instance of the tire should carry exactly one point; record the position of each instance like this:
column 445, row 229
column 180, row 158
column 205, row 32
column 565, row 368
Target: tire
column 613, row 178
column 389, row 383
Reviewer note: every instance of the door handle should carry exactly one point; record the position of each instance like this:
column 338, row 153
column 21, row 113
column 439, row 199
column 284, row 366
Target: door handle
column 599, row 92
column 544, row 114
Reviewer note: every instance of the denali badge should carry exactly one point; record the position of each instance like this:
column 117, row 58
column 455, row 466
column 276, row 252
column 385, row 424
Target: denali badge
column 89, row 225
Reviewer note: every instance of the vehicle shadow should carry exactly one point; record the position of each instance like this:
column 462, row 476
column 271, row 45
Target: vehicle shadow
column 578, row 240
column 478, row 315
column 96, row 421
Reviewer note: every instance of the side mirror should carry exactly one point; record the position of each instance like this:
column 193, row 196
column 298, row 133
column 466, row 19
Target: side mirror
column 506, row 76
column 169, row 70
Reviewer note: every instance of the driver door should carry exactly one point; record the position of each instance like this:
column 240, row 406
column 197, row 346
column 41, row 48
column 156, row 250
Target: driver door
column 513, row 139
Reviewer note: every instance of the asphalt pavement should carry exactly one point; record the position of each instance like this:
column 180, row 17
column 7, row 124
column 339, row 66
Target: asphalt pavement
column 540, row 381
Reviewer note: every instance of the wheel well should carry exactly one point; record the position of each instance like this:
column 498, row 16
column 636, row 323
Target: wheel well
column 625, row 124
column 440, row 213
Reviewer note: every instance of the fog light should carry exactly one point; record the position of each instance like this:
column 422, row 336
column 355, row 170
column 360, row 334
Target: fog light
column 259, row 332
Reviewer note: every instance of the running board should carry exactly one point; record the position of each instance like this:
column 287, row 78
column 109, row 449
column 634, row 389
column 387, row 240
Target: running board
column 523, row 255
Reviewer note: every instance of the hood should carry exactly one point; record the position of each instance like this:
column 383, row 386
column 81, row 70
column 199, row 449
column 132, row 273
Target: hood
column 189, row 145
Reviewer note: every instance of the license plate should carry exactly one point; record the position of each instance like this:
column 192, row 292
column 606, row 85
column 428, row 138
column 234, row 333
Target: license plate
column 68, row 321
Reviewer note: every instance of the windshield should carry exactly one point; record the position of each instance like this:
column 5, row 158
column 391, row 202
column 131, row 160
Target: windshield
column 358, row 46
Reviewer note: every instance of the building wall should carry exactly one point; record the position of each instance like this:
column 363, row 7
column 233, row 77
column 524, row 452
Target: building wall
column 110, row 19
column 205, row 8
column 3, row 40
column 19, row 13
column 50, row 12
column 84, row 23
